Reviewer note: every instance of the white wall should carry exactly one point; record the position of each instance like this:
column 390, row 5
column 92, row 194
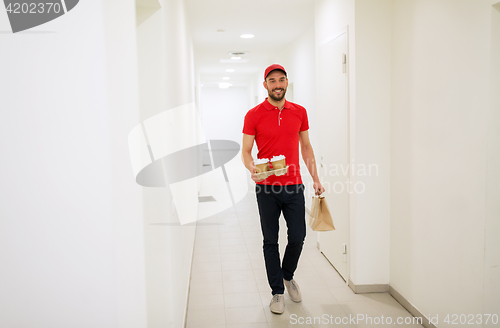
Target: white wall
column 166, row 81
column 421, row 109
column 223, row 112
column 71, row 243
column 439, row 157
column 368, row 25
column 331, row 17
column 492, row 224
column 253, row 87
column 372, row 139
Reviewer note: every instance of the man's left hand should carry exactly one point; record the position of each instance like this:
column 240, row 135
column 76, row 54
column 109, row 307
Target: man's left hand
column 318, row 188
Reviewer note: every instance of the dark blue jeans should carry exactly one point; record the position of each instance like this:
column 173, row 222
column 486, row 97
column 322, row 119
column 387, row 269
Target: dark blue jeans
column 272, row 200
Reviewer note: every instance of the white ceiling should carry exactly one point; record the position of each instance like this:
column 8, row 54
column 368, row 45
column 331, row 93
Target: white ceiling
column 275, row 24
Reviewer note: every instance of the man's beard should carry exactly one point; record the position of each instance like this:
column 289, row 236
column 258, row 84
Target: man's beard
column 276, row 98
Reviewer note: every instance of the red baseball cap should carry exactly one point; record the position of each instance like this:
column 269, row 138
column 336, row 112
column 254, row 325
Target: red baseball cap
column 272, row 68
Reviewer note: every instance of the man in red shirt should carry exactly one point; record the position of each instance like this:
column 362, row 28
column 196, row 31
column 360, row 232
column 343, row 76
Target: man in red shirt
column 278, row 127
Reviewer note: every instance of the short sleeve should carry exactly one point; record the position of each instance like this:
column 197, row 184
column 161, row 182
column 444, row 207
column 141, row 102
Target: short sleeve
column 249, row 125
column 305, row 121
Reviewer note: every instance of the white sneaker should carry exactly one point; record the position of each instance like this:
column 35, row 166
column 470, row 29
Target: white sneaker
column 293, row 290
column 277, row 304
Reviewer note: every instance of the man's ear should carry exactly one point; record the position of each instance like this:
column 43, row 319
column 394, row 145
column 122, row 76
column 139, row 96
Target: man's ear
column 265, row 84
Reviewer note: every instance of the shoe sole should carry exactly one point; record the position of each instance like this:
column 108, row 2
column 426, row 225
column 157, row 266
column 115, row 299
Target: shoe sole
column 277, row 312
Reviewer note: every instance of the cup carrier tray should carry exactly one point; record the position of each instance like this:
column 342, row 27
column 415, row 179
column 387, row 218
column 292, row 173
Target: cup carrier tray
column 264, row 175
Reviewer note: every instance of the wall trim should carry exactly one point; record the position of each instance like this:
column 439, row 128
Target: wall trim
column 410, row 308
column 372, row 288
column 384, row 288
column 188, row 292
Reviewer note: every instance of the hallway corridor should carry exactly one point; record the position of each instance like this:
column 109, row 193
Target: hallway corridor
column 229, row 286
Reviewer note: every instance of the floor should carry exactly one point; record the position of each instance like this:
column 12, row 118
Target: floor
column 229, row 286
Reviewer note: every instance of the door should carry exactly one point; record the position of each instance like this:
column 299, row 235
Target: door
column 333, row 123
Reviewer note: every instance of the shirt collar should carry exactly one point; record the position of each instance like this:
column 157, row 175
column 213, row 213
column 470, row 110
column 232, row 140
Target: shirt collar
column 269, row 106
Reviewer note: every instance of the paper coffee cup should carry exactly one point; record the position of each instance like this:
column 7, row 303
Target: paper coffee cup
column 278, row 162
column 262, row 165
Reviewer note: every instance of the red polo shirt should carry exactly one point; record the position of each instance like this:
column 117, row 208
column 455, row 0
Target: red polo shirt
column 277, row 133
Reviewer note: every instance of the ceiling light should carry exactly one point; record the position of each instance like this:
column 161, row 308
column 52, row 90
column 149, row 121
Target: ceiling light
column 229, row 70
column 247, row 36
column 235, row 58
column 226, row 78
column 233, row 62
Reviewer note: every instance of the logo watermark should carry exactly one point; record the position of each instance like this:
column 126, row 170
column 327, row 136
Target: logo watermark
column 25, row 14
column 166, row 155
column 327, row 319
column 346, row 178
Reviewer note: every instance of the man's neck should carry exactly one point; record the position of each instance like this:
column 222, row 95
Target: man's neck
column 275, row 103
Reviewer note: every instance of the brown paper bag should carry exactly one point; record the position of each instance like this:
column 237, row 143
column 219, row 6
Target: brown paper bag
column 320, row 219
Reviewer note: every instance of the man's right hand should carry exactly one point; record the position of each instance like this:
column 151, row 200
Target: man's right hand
column 254, row 174
column 246, row 156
